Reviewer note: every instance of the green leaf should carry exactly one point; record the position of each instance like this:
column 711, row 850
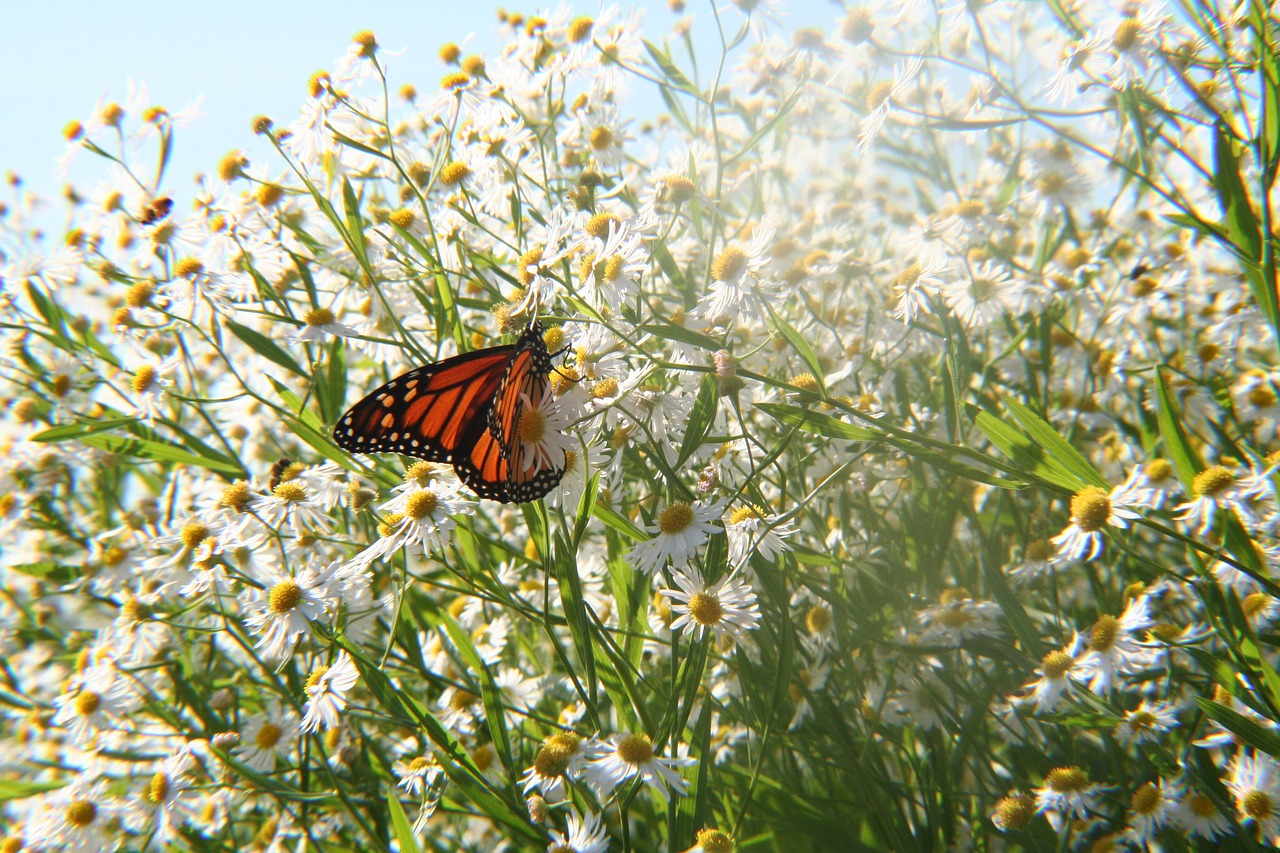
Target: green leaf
column 265, row 347
column 618, row 523
column 802, row 348
column 296, row 406
column 1025, row 453
column 679, row 334
column 574, row 605
column 779, row 116
column 1060, row 452
column 158, row 451
column 700, row 418
column 672, row 270
column 1183, row 456
column 80, row 429
column 1019, row 622
column 355, row 226
column 454, row 760
column 17, row 789
column 48, row 309
column 343, row 139
column 818, row 423
column 1241, row 726
column 494, row 710
column 673, row 74
column 400, row 823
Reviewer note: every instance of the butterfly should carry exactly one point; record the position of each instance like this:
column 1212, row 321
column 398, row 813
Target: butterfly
column 465, row 411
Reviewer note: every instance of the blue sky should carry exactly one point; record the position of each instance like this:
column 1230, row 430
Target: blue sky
column 245, row 59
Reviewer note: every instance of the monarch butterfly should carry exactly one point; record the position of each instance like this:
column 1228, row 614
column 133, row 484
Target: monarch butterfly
column 464, row 410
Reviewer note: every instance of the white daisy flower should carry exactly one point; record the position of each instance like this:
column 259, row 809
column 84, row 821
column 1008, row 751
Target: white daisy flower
column 629, row 755
column 318, row 325
column 726, row 608
column 681, row 530
column 1092, row 510
column 327, row 689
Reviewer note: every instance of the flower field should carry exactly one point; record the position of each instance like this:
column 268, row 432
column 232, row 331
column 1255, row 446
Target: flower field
column 875, row 449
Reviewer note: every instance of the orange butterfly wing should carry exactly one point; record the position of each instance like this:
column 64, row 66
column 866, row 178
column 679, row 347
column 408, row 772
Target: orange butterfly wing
column 466, row 411
column 427, row 412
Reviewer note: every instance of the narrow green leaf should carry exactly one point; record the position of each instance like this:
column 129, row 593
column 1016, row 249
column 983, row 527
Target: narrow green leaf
column 494, row 709
column 700, row 418
column 18, row 789
column 679, row 334
column 818, row 423
column 66, row 432
column 611, row 519
column 400, row 823
column 1019, row 622
column 454, row 760
column 574, row 604
column 1241, row 726
column 265, row 347
column 343, row 139
column 669, row 70
column 1059, row 450
column 158, row 451
column 1183, row 456
column 355, row 224
column 296, row 406
column 802, row 348
column 1024, row 452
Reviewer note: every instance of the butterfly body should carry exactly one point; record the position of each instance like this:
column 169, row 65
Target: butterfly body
column 465, row 411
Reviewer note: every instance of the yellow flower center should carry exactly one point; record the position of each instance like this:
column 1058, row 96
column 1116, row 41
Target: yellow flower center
column 81, row 813
column 706, row 609
column 1104, row 634
column 675, row 518
column 1201, row 806
column 730, row 265
column 1257, row 805
column 1090, row 508
column 1056, row 665
column 1126, row 34
column 158, row 790
column 607, row 387
column 580, row 29
column 635, row 749
column 1067, row 780
column 818, row 619
column 1158, row 470
column 86, row 702
column 193, row 533
column 533, row 426
column 454, row 173
column 878, row 94
column 1015, row 812
column 1212, row 481
column 318, row 317
column 268, row 736
column 714, row 841
column 284, row 596
column 291, row 491
column 420, row 505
